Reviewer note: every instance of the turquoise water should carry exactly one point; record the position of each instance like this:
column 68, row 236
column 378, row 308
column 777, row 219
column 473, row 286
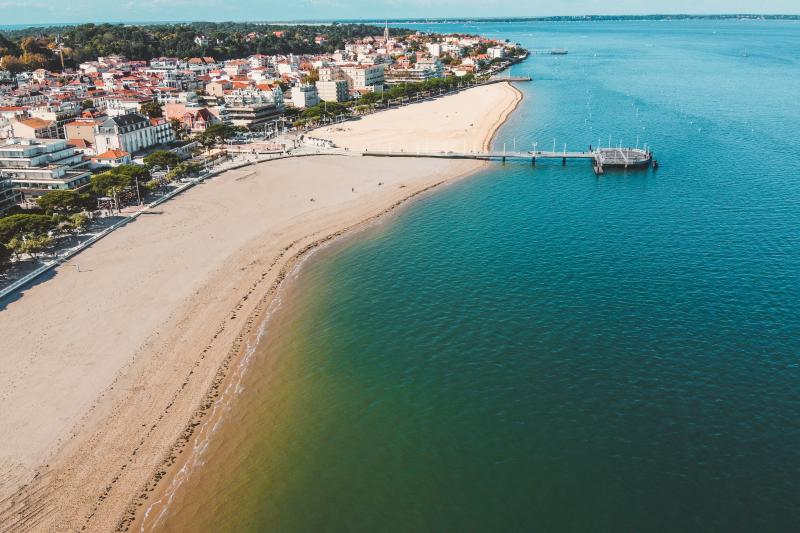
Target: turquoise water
column 545, row 350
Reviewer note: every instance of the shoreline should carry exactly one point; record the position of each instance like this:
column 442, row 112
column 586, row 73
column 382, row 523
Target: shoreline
column 258, row 322
column 132, row 481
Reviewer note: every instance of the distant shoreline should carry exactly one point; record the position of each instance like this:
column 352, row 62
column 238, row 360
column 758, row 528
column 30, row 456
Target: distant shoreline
column 437, row 20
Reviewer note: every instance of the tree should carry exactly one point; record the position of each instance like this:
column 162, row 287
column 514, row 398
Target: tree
column 182, row 170
column 64, row 202
column 5, row 254
column 30, row 243
column 369, row 98
column 152, row 109
column 74, row 223
column 87, row 104
column 162, row 158
column 216, row 133
column 22, row 224
column 119, row 180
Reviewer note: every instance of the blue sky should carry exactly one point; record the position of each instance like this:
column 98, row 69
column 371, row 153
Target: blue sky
column 45, row 11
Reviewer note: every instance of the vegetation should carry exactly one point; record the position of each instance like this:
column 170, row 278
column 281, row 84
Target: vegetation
column 183, row 170
column 5, row 254
column 152, row 109
column 120, row 183
column 16, row 226
column 162, row 159
column 217, row 133
column 34, row 47
column 65, row 202
column 31, row 244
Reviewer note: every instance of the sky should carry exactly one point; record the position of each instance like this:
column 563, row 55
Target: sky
column 53, row 11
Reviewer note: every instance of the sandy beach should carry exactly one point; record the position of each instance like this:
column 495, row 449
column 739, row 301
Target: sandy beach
column 108, row 365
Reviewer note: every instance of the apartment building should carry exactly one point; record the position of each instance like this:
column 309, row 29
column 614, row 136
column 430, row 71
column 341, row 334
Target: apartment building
column 333, row 90
column 131, row 133
column 361, row 77
column 36, row 166
column 305, row 96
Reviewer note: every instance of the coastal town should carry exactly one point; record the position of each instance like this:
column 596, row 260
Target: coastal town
column 86, row 139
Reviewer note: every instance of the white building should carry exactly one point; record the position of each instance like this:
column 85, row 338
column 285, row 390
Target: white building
column 305, row 96
column 364, row 77
column 131, row 133
column 435, row 49
column 333, row 90
column 496, row 52
column 36, row 166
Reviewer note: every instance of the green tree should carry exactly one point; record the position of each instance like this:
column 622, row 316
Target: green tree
column 162, row 158
column 119, row 180
column 74, row 223
column 217, row 133
column 152, row 109
column 22, row 224
column 5, row 254
column 64, row 201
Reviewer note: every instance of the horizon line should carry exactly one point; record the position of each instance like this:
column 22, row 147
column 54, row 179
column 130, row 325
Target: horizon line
column 406, row 20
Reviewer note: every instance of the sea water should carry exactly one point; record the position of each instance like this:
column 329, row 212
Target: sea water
column 542, row 349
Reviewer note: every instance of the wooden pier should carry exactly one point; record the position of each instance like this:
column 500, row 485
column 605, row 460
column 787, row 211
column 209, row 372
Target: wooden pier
column 601, row 158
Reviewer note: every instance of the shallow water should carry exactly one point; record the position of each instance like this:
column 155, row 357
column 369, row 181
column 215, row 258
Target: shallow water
column 542, row 349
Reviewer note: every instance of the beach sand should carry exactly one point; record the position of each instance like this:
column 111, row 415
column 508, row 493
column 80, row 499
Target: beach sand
column 108, row 365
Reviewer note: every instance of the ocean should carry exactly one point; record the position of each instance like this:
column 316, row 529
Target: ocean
column 542, row 349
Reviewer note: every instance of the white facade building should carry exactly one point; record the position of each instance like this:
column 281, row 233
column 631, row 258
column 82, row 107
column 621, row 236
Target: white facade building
column 333, row 90
column 305, row 96
column 131, row 133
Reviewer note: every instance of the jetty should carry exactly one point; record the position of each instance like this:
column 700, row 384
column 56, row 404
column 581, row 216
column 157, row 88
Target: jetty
column 601, row 158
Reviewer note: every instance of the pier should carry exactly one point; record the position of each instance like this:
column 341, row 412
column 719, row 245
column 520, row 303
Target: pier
column 600, row 158
column 499, row 79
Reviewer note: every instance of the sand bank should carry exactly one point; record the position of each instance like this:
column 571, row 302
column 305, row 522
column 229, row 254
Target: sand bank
column 106, row 369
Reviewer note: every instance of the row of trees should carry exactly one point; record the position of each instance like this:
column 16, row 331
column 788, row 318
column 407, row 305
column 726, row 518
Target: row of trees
column 226, row 40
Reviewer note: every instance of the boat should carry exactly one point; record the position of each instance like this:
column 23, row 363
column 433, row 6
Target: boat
column 559, row 52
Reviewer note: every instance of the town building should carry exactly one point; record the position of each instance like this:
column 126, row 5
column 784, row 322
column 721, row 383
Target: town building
column 364, row 77
column 131, row 133
column 112, row 158
column 9, row 196
column 82, row 128
column 496, row 52
column 333, row 90
column 60, row 114
column 252, row 116
column 34, row 128
column 37, row 166
column 305, row 96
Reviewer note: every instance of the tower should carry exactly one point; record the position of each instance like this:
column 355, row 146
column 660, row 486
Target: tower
column 386, row 33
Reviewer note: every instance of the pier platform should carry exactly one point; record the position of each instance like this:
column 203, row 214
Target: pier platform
column 600, row 158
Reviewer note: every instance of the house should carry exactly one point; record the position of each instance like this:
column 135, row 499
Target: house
column 198, row 119
column 112, row 158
